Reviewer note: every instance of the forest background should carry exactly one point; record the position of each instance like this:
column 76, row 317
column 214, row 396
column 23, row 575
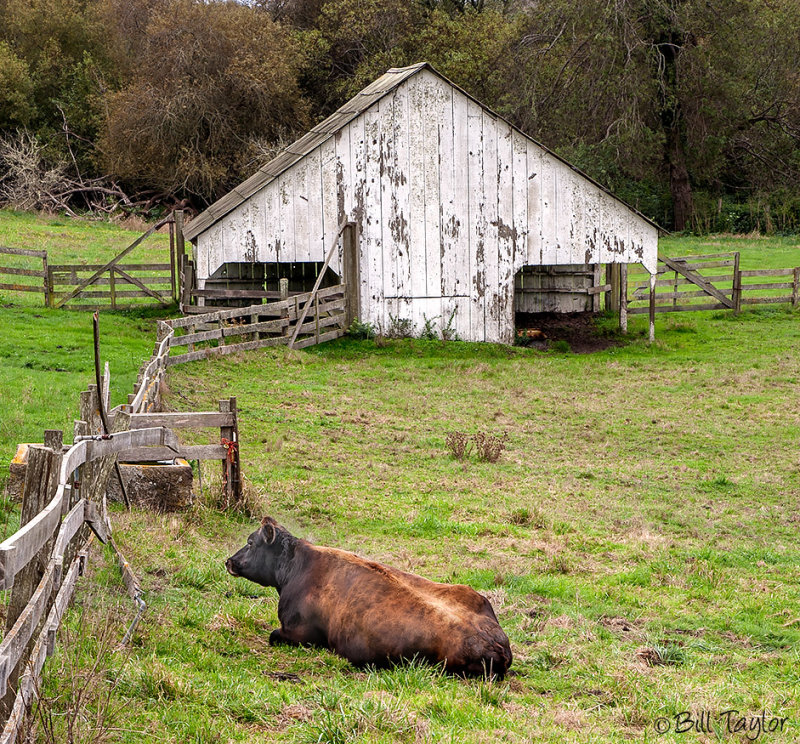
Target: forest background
column 688, row 109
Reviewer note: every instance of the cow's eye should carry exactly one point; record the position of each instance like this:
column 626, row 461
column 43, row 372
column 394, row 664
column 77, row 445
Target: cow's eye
column 249, row 543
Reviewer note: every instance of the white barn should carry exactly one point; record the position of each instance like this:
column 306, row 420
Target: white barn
column 451, row 203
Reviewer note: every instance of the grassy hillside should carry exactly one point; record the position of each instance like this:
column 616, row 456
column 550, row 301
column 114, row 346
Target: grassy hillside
column 638, row 538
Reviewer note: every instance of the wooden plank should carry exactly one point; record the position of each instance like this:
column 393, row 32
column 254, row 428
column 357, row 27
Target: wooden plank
column 351, row 273
column 187, row 452
column 70, row 525
column 767, row 272
column 679, row 308
column 98, row 524
column 323, row 337
column 21, row 288
column 60, row 604
column 125, row 440
column 415, row 121
column 16, row 639
column 641, row 294
column 766, row 285
column 181, row 420
column 766, row 300
column 230, row 294
column 673, row 282
column 17, row 550
column 367, row 234
column 796, row 286
column 433, row 97
column 705, row 256
column 623, row 298
column 699, row 280
column 700, row 266
column 112, row 294
column 113, row 262
column 476, row 229
column 47, row 284
column 78, row 268
column 21, row 272
column 22, row 252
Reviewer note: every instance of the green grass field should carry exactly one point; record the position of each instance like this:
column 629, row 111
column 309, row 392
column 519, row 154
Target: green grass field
column 638, row 538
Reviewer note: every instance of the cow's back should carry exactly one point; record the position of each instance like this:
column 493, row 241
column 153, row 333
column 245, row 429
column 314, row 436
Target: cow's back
column 371, row 613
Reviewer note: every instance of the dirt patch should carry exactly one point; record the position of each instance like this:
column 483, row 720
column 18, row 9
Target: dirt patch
column 579, row 330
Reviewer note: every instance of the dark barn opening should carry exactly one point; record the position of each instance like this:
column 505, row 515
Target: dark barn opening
column 239, row 284
column 558, row 304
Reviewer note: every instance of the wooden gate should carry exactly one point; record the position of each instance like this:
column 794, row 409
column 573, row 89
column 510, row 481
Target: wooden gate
column 112, row 286
column 711, row 282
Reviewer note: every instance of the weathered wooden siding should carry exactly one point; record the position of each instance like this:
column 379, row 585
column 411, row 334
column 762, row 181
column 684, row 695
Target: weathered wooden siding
column 451, row 202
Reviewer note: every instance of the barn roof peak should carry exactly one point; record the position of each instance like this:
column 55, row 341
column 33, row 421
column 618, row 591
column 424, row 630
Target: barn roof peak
column 357, row 105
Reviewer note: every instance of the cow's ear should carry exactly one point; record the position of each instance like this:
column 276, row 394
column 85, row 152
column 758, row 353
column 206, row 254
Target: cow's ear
column 269, row 525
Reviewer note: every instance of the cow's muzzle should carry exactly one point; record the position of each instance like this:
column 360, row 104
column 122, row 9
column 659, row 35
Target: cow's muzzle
column 230, row 567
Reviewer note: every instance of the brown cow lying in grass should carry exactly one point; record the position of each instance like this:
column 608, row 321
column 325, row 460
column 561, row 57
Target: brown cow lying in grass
column 367, row 612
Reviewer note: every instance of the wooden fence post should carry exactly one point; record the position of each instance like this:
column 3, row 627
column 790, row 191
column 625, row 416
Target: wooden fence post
column 623, row 297
column 737, row 285
column 675, row 291
column 613, row 278
column 596, row 277
column 172, row 266
column 226, row 434
column 180, row 246
column 112, row 287
column 284, row 288
column 351, row 272
column 652, row 334
column 796, row 286
column 46, row 274
column 41, row 482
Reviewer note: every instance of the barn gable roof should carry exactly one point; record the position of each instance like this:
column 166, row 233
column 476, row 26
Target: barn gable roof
column 356, row 106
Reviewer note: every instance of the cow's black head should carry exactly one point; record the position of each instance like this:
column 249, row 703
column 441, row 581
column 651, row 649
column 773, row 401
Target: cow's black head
column 264, row 559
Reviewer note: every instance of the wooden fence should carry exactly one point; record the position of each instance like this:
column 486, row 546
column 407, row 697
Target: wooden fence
column 115, row 285
column 64, row 505
column 42, row 561
column 299, row 321
column 30, row 264
column 711, row 282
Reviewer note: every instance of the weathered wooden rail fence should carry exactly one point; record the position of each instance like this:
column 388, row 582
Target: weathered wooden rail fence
column 32, row 265
column 711, row 282
column 114, row 285
column 64, row 505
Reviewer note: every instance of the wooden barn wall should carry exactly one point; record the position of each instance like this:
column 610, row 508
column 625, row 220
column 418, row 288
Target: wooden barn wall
column 451, row 201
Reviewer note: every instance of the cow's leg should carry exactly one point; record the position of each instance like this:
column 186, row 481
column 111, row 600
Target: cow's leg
column 296, row 636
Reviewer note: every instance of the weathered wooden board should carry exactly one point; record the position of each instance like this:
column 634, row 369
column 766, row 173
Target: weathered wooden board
column 182, row 420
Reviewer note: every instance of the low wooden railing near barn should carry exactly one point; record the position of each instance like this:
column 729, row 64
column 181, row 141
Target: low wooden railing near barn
column 322, row 316
column 711, row 282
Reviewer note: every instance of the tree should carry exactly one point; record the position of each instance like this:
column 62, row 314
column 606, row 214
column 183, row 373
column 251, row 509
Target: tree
column 208, row 80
